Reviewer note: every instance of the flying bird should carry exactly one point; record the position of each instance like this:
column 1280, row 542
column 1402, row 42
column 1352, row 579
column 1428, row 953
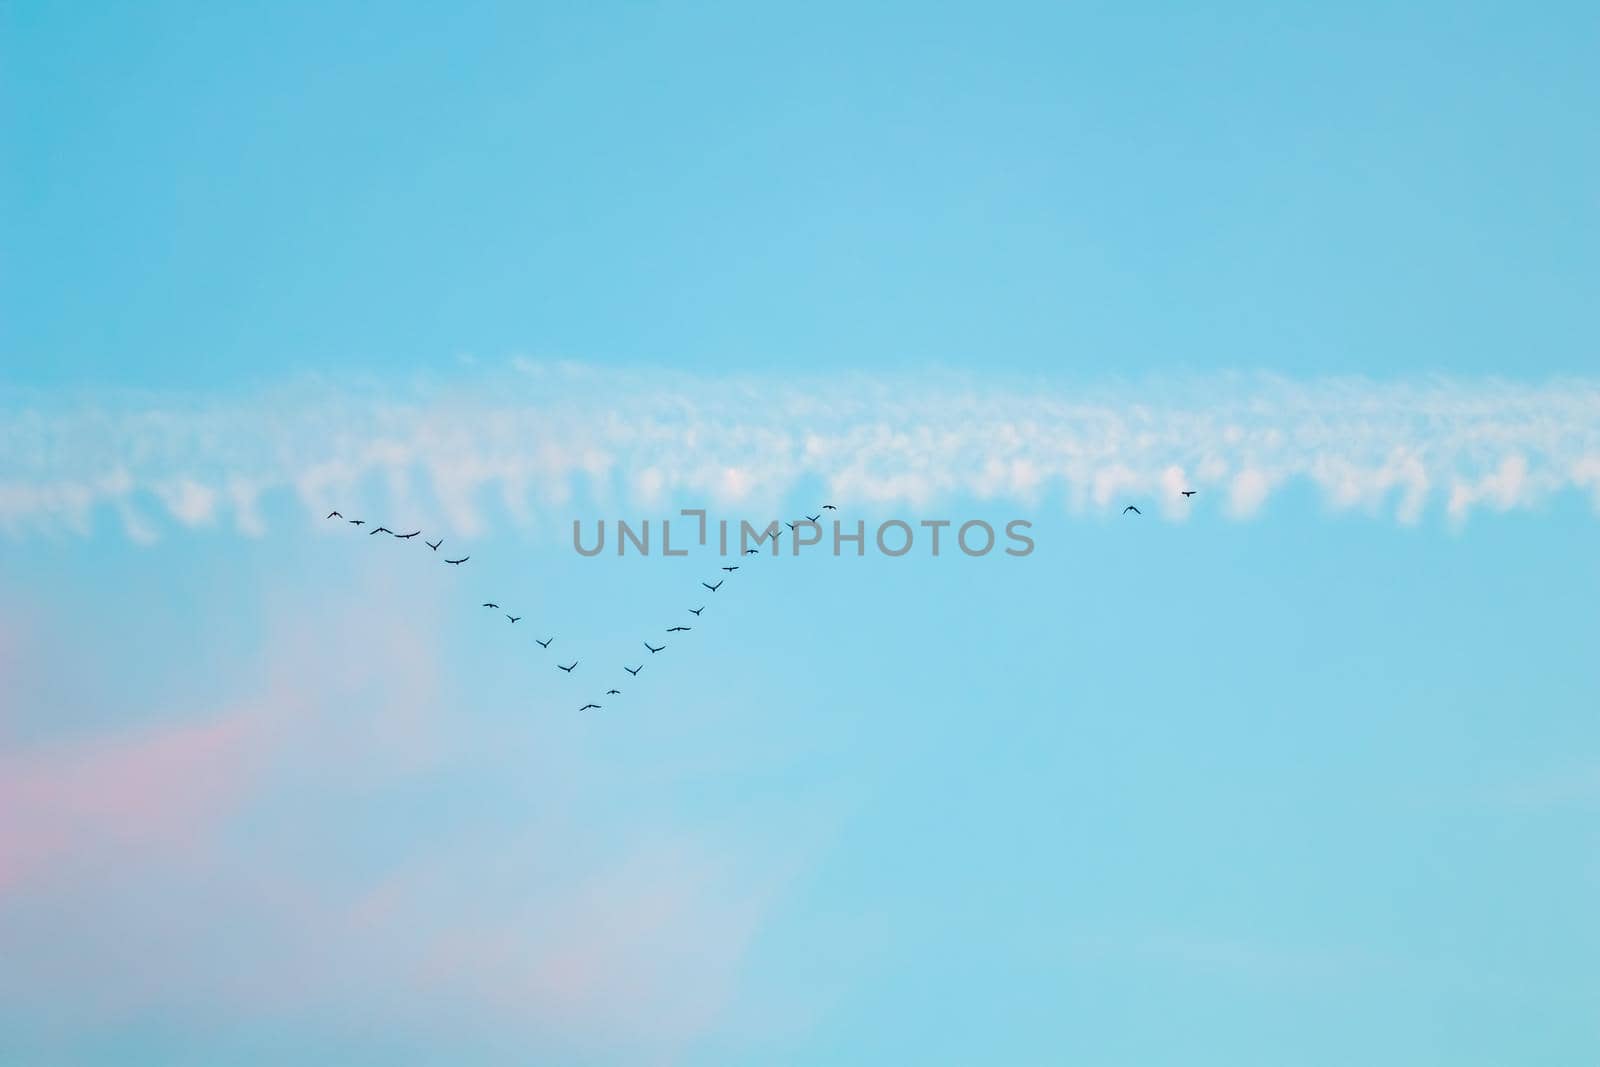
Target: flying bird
column 677, row 629
column 653, row 648
column 458, row 562
column 334, row 515
column 586, row 707
column 568, row 669
column 379, row 530
column 491, row 605
column 714, row 588
column 751, row 551
column 1188, row 492
column 730, row 570
column 696, row 611
column 434, row 544
column 1133, row 509
column 634, row 670
column 409, row 536
column 545, row 643
column 613, row 692
column 514, row 618
column 355, row 522
column 790, row 525
column 829, row 507
column 814, row 518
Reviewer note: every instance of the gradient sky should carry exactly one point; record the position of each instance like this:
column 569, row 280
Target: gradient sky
column 1305, row 772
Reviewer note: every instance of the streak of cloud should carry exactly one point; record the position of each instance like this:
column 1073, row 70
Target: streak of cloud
column 532, row 437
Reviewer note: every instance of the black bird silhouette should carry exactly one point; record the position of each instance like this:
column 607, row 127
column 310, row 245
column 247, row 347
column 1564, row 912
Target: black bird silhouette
column 1188, row 492
column 613, row 692
column 545, row 643
column 596, row 707
column 653, row 648
column 814, row 518
column 634, row 670
column 730, row 570
column 696, row 611
column 434, row 544
column 1133, row 509
column 334, row 515
column 356, row 522
column 714, row 588
column 677, row 629
column 568, row 669
column 409, row 536
column 829, row 507
column 790, row 525
column 751, row 551
column 379, row 530
column 514, row 618
column 458, row 562
column 491, row 605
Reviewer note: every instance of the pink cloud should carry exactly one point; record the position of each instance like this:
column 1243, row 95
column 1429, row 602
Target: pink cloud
column 203, row 868
column 153, row 789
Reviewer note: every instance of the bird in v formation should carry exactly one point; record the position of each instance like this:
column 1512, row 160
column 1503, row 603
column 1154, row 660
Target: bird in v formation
column 545, row 643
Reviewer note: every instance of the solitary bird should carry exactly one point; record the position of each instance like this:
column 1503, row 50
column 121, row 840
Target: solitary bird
column 677, row 629
column 334, row 515
column 514, row 618
column 730, row 570
column 409, row 536
column 653, row 648
column 751, row 551
column 613, row 692
column 1188, row 492
column 829, row 507
column 568, row 669
column 1133, row 509
column 634, row 670
column 379, row 530
column 696, row 611
column 491, row 605
column 714, row 588
column 586, row 707
column 434, row 544
column 458, row 562
column 356, row 522
column 545, row 643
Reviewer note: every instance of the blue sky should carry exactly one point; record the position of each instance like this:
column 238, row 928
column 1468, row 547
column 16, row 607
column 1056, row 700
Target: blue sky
column 1303, row 771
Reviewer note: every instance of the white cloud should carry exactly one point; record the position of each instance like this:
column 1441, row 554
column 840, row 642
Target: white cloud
column 510, row 443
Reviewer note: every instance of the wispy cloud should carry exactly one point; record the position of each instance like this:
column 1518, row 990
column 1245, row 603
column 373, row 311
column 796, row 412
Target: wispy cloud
column 531, row 437
column 303, row 851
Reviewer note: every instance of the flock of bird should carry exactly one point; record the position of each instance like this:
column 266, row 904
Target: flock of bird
column 544, row 643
